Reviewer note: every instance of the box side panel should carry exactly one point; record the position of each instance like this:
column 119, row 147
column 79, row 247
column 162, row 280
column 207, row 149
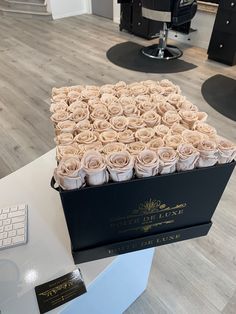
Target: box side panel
column 119, row 212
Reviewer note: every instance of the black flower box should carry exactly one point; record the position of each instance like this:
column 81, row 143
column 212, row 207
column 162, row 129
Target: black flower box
column 117, row 218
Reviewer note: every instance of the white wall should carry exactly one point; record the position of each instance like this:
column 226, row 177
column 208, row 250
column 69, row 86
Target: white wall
column 65, row 8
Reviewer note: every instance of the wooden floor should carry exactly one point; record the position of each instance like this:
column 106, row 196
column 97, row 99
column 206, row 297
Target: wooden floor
column 197, row 276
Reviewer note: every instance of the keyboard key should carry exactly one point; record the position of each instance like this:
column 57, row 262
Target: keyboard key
column 13, row 208
column 13, row 226
column 8, row 228
column 22, row 206
column 18, row 239
column 7, row 241
column 17, row 219
column 5, row 210
column 6, row 222
column 12, row 233
column 21, row 231
column 18, row 225
column 16, row 214
column 3, row 235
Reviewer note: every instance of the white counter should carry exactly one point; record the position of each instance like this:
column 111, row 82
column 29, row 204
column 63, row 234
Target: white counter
column 47, row 254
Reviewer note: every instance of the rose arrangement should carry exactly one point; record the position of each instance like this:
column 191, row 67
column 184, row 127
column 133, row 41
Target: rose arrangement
column 117, row 132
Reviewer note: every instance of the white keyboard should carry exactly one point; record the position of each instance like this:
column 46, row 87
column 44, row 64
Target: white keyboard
column 13, row 226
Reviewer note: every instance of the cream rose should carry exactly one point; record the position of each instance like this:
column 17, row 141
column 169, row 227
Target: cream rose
column 173, row 140
column 188, row 117
column 202, row 116
column 77, row 105
column 208, row 153
column 187, row 105
column 193, row 137
column 76, row 88
column 131, row 111
column 84, row 125
column 163, row 107
column 108, row 136
column 188, row 157
column 168, row 160
column 142, row 98
column 161, row 130
column 90, row 92
column 59, row 98
column 115, row 109
column 205, row 128
column 135, row 148
column 69, row 174
column 61, row 90
column 86, row 137
column 126, row 137
column 107, row 89
column 146, row 106
column 135, row 123
column 120, row 85
column 166, row 83
column 119, row 123
column 138, row 89
column 177, row 128
column 169, row 87
column 101, row 125
column 148, row 83
column 108, row 99
column 123, row 92
column 113, row 147
column 65, row 127
column 99, row 113
column 94, row 166
column 156, row 89
column 79, row 115
column 95, row 102
column 64, row 139
column 226, row 150
column 58, row 106
column 93, row 146
column 67, row 151
column 155, row 144
column 175, row 99
column 73, row 96
column 120, row 166
column 59, row 116
column 145, row 135
column 146, row 164
column 127, row 100
column 170, row 117
column 158, row 98
column 151, row 118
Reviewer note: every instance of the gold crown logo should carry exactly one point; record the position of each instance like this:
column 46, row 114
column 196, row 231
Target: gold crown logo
column 150, row 205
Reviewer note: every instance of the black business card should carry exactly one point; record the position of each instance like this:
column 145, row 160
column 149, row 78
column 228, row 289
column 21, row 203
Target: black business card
column 59, row 291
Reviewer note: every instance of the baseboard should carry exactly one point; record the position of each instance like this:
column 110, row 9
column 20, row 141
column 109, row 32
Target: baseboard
column 68, row 14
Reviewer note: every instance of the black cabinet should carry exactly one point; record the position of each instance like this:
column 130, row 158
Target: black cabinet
column 222, row 46
column 131, row 19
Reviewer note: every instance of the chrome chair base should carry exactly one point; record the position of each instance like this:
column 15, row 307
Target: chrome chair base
column 168, row 53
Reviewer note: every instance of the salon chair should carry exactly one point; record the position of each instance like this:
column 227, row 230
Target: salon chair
column 171, row 13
